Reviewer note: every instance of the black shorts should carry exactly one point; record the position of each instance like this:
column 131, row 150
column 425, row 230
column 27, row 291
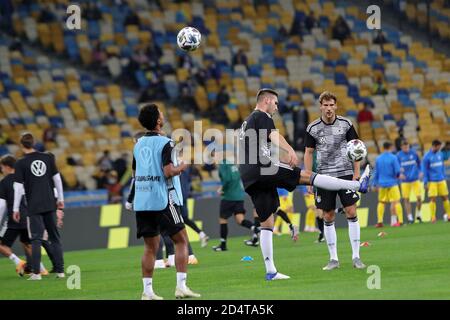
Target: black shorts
column 264, row 192
column 152, row 223
column 326, row 199
column 228, row 208
column 8, row 237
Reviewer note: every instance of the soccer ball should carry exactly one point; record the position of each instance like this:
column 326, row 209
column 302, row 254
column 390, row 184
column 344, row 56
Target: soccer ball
column 356, row 150
column 189, row 39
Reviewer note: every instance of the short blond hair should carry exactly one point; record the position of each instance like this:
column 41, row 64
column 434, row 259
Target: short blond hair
column 327, row 95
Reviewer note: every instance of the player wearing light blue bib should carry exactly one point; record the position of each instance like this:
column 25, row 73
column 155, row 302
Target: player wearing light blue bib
column 157, row 198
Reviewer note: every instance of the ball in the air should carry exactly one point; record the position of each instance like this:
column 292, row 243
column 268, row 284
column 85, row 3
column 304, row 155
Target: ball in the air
column 189, row 39
column 356, row 150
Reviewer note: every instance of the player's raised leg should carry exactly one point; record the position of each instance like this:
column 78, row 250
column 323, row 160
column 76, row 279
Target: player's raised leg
column 334, row 184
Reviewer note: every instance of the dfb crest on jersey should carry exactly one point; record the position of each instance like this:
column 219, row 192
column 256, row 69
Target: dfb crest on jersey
column 319, row 199
column 38, row 168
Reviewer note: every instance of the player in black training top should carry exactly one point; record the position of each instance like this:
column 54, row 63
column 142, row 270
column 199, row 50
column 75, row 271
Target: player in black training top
column 262, row 174
column 35, row 176
column 11, row 230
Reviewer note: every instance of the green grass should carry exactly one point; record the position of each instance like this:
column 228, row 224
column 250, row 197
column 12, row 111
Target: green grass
column 414, row 263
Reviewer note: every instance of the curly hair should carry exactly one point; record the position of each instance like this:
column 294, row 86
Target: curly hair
column 148, row 116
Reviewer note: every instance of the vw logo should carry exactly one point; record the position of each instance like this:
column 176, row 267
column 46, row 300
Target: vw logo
column 145, row 154
column 38, row 168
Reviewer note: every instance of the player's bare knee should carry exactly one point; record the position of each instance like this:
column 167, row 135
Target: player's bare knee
column 239, row 218
column 350, row 212
column 269, row 223
column 180, row 238
column 329, row 215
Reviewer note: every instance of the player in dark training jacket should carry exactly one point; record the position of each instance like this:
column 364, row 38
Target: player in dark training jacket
column 35, row 176
column 9, row 229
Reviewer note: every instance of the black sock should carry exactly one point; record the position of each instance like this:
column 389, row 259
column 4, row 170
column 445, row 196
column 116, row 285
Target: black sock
column 223, row 234
column 283, row 215
column 246, row 224
column 159, row 254
column 192, row 224
column 320, row 224
column 257, row 224
column 190, row 249
column 170, row 248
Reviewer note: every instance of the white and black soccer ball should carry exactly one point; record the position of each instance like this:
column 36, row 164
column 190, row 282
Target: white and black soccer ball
column 356, row 150
column 189, row 39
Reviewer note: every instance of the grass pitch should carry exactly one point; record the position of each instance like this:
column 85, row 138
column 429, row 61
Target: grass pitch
column 413, row 261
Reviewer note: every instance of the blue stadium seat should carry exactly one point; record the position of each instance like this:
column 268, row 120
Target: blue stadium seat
column 141, row 79
column 62, row 105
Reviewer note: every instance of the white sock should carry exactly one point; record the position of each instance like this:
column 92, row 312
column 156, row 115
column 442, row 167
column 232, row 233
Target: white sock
column 159, row 262
column 202, row 234
column 410, row 217
column 14, row 258
column 331, row 238
column 42, row 267
column 418, row 213
column 171, row 259
column 334, row 184
column 148, row 286
column 354, row 232
column 181, row 280
column 266, row 244
column 393, row 220
column 192, row 256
